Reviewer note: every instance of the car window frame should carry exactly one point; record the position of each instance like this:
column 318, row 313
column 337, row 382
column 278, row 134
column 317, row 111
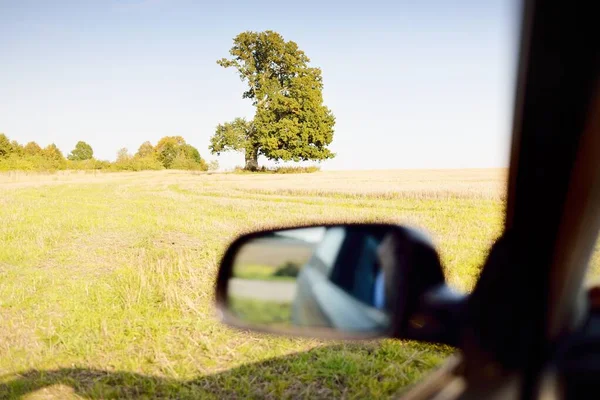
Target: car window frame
column 551, row 219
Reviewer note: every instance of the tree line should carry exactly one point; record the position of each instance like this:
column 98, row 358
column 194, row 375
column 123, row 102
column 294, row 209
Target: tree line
column 171, row 152
column 290, row 123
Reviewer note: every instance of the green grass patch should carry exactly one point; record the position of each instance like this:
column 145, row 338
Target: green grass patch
column 259, row 312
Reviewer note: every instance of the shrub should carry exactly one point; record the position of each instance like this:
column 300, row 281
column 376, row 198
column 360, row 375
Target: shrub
column 137, row 163
column 31, row 163
column 183, row 162
column 213, row 165
column 17, row 163
column 146, row 163
column 288, row 269
column 102, row 164
column 296, row 170
column 86, row 165
column 77, row 165
column 278, row 170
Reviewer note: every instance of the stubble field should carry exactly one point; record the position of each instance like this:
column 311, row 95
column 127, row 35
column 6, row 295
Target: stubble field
column 106, row 280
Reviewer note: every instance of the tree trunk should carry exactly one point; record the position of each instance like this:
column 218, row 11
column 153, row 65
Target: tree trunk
column 252, row 160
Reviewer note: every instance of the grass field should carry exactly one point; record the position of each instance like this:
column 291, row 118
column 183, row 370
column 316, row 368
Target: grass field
column 106, row 280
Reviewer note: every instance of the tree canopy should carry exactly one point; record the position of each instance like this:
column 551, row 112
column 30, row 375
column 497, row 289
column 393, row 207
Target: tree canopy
column 237, row 135
column 123, row 155
column 81, row 152
column 290, row 123
column 52, row 152
column 17, row 148
column 32, row 149
column 5, row 146
column 168, row 148
column 145, row 150
column 174, row 153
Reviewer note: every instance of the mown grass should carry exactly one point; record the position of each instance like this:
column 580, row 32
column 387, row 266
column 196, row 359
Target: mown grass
column 106, row 285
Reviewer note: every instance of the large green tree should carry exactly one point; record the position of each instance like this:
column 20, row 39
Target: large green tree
column 291, row 122
column 82, row 151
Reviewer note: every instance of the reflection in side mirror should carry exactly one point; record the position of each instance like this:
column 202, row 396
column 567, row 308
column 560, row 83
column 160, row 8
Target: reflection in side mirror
column 312, row 278
column 342, row 281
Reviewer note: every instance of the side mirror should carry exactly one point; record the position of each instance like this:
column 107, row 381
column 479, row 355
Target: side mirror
column 352, row 281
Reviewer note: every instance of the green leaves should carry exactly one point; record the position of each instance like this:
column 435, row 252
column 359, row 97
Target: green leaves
column 233, row 135
column 32, row 149
column 146, row 150
column 238, row 135
column 5, row 146
column 291, row 122
column 170, row 152
column 174, row 153
column 82, row 151
column 167, row 149
column 53, row 153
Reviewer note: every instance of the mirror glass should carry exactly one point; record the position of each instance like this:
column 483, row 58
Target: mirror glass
column 318, row 277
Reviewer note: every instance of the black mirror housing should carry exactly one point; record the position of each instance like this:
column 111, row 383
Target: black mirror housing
column 336, row 281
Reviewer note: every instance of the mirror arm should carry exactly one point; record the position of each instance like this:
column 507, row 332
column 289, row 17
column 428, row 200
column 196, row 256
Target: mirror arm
column 438, row 317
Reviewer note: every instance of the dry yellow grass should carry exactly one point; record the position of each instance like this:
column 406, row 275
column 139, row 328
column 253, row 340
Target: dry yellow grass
column 465, row 182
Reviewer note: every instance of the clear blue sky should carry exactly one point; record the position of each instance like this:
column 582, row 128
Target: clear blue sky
column 413, row 84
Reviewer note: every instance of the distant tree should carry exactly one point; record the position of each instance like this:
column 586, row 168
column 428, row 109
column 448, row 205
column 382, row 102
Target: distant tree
column 32, row 149
column 168, row 148
column 52, row 152
column 8, row 147
column 174, row 152
column 5, row 146
column 213, row 165
column 145, row 150
column 290, row 122
column 190, row 152
column 123, row 155
column 290, row 268
column 16, row 148
column 82, row 151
